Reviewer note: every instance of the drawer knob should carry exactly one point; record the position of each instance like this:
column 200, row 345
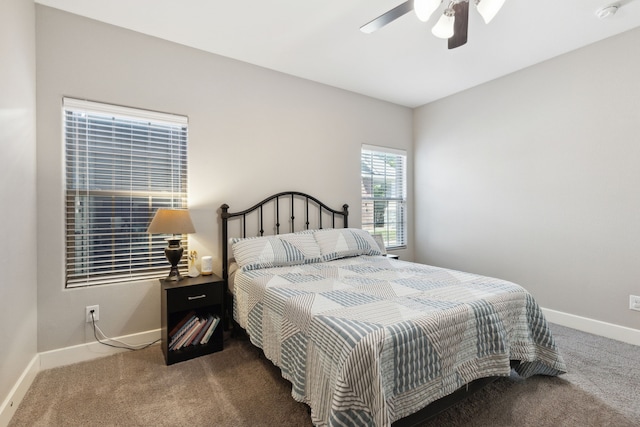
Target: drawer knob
column 197, row 297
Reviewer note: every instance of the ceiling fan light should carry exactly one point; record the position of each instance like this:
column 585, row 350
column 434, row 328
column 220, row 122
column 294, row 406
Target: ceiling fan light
column 425, row 8
column 444, row 27
column 488, row 9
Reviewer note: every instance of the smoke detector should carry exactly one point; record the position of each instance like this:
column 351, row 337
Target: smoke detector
column 607, row 11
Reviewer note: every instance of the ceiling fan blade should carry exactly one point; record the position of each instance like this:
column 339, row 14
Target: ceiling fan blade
column 461, row 25
column 387, row 17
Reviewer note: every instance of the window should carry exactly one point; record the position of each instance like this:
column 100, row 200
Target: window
column 384, row 194
column 122, row 164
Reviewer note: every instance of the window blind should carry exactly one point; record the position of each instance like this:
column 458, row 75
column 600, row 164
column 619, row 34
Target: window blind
column 384, row 194
column 121, row 165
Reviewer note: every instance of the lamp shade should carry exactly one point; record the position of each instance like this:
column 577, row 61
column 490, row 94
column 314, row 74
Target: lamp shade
column 488, row 8
column 171, row 221
column 425, row 8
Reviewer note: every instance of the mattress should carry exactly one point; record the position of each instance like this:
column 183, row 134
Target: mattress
column 367, row 340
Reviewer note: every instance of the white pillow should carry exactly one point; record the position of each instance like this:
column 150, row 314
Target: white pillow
column 344, row 242
column 380, row 241
column 275, row 251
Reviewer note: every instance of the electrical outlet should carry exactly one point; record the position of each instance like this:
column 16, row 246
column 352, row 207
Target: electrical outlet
column 96, row 313
column 634, row 302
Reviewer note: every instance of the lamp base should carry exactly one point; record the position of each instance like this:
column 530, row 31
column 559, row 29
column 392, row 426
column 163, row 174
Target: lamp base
column 173, row 252
column 174, row 275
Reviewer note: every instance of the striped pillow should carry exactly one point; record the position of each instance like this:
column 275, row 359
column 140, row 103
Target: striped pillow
column 275, row 251
column 344, row 242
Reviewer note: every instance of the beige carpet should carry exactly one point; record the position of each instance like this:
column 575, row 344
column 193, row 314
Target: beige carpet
column 238, row 387
column 234, row 387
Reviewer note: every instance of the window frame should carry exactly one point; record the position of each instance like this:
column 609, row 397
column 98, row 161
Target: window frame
column 392, row 230
column 96, row 218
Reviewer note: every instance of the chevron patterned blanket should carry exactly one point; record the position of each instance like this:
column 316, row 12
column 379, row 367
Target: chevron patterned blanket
column 368, row 340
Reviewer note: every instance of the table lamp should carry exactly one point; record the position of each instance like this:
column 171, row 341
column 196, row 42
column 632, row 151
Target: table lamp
column 176, row 222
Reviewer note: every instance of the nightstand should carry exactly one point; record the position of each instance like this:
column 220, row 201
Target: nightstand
column 192, row 314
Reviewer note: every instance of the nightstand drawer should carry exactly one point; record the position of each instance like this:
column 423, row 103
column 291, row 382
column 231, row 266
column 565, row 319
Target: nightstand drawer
column 195, row 296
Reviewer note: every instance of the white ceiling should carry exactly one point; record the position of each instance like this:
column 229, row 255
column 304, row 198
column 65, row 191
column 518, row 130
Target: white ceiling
column 402, row 63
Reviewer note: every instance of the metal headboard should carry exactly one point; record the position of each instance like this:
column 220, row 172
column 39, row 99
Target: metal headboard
column 286, row 197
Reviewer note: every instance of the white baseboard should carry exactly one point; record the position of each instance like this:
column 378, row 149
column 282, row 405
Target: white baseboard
column 93, row 350
column 17, row 393
column 596, row 327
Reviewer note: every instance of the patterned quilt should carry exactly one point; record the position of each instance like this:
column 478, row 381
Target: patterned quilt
column 368, row 340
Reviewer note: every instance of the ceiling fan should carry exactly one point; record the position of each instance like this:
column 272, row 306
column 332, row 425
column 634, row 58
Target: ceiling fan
column 453, row 23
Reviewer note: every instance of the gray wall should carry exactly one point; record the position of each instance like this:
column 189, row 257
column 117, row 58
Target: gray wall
column 252, row 132
column 535, row 178
column 18, row 314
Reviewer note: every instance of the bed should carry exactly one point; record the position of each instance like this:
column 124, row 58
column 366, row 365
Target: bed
column 365, row 339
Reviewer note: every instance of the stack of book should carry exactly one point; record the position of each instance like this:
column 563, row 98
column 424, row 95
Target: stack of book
column 192, row 330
